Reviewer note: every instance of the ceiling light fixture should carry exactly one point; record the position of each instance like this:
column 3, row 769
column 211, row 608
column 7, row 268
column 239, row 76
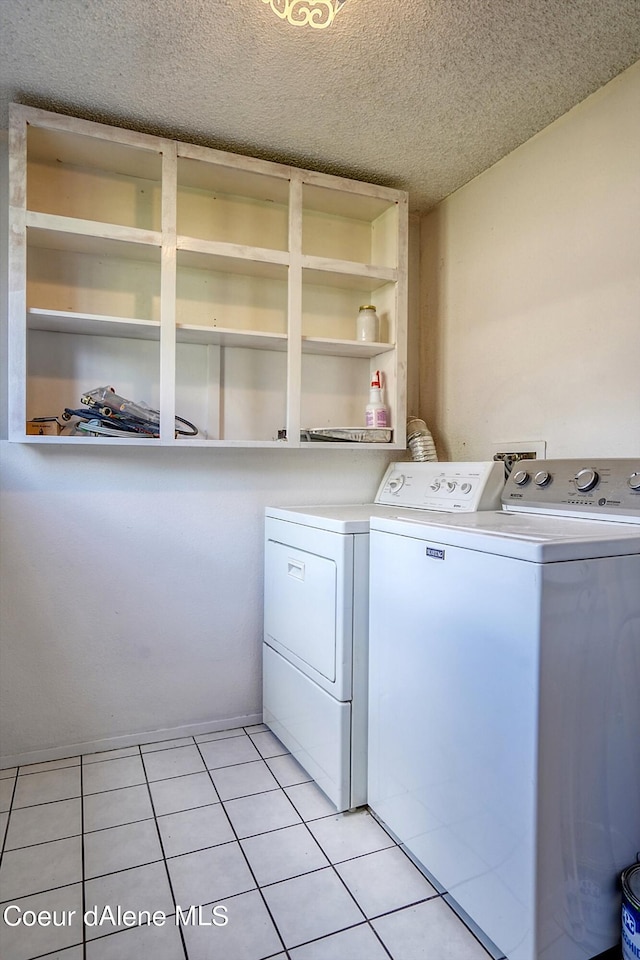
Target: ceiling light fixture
column 307, row 13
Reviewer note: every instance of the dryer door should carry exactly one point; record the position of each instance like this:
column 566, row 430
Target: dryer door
column 308, row 601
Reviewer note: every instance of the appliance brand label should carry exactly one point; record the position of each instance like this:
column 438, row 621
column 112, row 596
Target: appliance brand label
column 434, row 553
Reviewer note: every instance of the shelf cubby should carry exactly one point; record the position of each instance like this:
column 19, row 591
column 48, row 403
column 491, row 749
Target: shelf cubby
column 224, row 203
column 93, row 178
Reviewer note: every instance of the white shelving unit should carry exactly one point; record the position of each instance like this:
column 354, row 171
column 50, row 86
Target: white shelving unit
column 219, row 288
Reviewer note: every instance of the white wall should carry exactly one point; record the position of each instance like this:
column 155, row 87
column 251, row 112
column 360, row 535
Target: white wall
column 132, row 579
column 531, row 292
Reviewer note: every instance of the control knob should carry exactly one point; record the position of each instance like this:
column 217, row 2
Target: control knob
column 451, row 485
column 465, row 488
column 521, row 477
column 634, row 480
column 586, row 479
column 435, row 486
column 396, row 482
column 542, row 478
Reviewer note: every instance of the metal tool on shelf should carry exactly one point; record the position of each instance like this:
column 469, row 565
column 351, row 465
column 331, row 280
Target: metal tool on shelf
column 106, row 413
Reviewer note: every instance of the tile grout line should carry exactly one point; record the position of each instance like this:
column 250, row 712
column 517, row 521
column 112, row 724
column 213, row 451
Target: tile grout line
column 83, row 894
column 164, row 857
column 365, row 919
column 32, row 773
column 439, row 893
column 246, row 859
column 333, row 867
column 9, row 812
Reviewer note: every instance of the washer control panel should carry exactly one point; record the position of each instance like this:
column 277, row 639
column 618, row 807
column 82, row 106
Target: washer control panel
column 451, row 487
column 592, row 489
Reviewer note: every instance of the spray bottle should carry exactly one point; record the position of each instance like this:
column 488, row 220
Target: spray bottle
column 377, row 414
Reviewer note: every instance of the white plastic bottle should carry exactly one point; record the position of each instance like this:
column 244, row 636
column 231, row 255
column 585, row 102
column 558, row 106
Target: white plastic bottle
column 376, row 414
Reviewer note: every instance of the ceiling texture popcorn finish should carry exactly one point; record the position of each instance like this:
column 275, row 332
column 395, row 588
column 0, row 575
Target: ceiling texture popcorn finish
column 420, row 95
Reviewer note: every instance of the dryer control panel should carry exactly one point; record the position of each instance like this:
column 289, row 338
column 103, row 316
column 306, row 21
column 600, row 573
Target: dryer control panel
column 451, row 487
column 590, row 489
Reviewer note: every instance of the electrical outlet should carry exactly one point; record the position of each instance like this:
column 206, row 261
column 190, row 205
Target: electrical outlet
column 510, row 452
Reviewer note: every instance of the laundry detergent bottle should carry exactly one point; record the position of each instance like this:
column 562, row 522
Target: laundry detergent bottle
column 376, row 414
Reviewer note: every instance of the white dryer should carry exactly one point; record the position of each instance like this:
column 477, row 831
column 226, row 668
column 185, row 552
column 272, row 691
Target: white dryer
column 316, row 596
column 504, row 703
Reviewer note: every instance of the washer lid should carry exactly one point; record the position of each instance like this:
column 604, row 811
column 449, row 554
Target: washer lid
column 533, row 537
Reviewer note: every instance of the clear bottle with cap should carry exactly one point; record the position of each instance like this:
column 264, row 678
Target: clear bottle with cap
column 376, row 413
column 367, row 324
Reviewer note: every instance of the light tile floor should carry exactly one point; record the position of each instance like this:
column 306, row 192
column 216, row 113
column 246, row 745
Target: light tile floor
column 226, row 819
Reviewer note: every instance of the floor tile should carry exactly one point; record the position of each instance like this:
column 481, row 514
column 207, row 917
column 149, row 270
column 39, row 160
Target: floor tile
column 35, row 869
column 321, row 873
column 219, row 735
column 261, row 812
column 142, row 888
column 210, row 875
column 357, row 943
column 167, row 744
column 384, row 881
column 48, row 821
column 71, row 953
column 182, row 793
column 8, row 773
column 194, row 829
column 118, row 848
column 223, row 753
column 23, row 943
column 311, row 906
column 148, row 942
column 287, row 771
column 494, row 952
column 248, row 935
column 283, row 854
column 112, row 775
column 349, row 835
column 426, row 931
column 164, row 764
column 310, row 802
column 47, row 787
column 49, row 765
column 268, row 744
column 118, row 754
column 243, row 779
column 6, row 792
column 115, row 807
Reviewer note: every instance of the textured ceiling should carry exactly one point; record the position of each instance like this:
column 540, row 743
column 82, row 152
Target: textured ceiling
column 417, row 94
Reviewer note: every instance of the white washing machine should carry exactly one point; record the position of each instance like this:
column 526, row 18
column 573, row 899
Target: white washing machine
column 316, row 615
column 504, row 703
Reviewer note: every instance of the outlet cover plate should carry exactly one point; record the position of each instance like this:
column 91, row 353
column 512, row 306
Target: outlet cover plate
column 506, row 447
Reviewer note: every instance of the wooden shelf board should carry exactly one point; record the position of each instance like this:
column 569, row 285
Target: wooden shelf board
column 141, row 160
column 322, row 272
column 95, row 325
column 53, row 232
column 85, row 438
column 201, row 442
column 218, row 257
column 197, row 173
column 228, row 337
column 332, row 196
column 344, row 348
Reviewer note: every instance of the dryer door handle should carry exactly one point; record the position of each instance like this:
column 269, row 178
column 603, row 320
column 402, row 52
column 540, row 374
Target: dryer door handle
column 295, row 568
